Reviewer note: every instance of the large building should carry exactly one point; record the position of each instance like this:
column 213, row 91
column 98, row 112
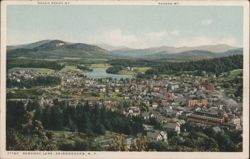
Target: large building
column 208, row 86
column 206, row 118
column 197, row 102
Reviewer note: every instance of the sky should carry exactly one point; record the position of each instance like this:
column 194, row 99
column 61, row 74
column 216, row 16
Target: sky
column 130, row 26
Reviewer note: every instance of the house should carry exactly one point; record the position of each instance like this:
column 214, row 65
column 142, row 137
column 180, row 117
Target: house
column 213, row 109
column 103, row 90
column 181, row 122
column 196, row 102
column 179, row 113
column 133, row 111
column 126, row 97
column 168, row 111
column 207, row 86
column 155, row 105
column 148, row 127
column 175, row 127
column 164, row 102
column 168, row 96
column 117, row 90
column 108, row 106
column 156, row 89
column 130, row 68
column 174, row 87
column 236, row 121
column 154, row 136
column 206, row 118
column 148, row 115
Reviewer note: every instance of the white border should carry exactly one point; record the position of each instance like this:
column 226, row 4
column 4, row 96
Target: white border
column 125, row 155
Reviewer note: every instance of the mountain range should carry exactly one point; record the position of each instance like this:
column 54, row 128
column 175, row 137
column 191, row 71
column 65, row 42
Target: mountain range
column 61, row 49
column 56, row 49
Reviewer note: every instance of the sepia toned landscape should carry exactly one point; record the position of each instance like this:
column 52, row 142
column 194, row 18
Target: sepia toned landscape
column 155, row 92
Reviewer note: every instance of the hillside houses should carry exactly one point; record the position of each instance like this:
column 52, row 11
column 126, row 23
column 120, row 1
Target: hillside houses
column 173, row 127
column 133, row 111
column 206, row 118
column 156, row 135
column 170, row 101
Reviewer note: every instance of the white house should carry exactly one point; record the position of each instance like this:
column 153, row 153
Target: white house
column 176, row 127
column 154, row 136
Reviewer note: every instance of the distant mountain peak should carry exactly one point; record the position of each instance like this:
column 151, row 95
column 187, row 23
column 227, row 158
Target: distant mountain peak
column 56, row 49
column 112, row 48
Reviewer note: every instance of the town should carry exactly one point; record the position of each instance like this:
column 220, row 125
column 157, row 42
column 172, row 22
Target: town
column 170, row 101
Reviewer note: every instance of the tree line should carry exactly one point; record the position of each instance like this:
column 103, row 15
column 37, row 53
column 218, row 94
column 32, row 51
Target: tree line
column 83, row 67
column 91, row 120
column 114, row 69
column 216, row 65
column 38, row 81
column 29, row 127
column 27, row 63
column 120, row 64
column 133, row 62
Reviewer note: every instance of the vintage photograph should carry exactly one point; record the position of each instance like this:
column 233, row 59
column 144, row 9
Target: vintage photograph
column 108, row 77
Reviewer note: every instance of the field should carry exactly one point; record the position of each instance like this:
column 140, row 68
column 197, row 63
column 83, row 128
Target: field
column 66, row 137
column 115, row 97
column 102, row 65
column 68, row 69
column 135, row 71
column 106, row 136
column 43, row 70
column 38, row 70
column 24, row 93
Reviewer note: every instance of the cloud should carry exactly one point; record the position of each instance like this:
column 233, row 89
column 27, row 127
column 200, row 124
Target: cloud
column 204, row 40
column 230, row 41
column 207, row 22
column 158, row 38
column 155, row 35
column 117, row 37
column 175, row 32
column 163, row 34
column 114, row 37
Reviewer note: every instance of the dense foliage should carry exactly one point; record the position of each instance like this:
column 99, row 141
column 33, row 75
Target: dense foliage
column 29, row 128
column 83, row 67
column 114, row 69
column 90, row 120
column 133, row 62
column 216, row 65
column 26, row 63
column 23, row 131
column 119, row 64
column 23, row 119
column 38, row 81
column 233, row 83
column 201, row 139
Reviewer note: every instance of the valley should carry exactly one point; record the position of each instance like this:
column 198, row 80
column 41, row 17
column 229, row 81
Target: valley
column 80, row 97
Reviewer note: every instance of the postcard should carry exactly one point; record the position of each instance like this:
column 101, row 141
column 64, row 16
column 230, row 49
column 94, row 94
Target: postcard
column 124, row 79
